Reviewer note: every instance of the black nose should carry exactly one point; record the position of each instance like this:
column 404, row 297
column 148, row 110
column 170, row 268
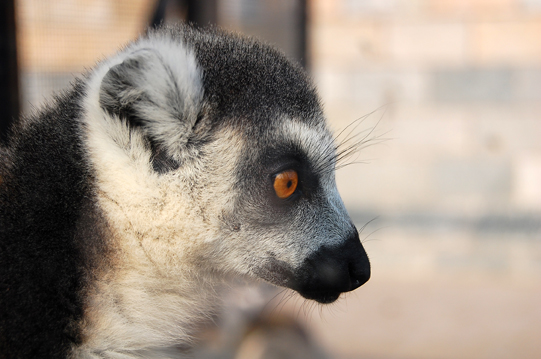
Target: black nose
column 332, row 270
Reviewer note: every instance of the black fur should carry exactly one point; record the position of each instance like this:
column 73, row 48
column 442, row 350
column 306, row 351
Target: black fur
column 247, row 80
column 49, row 233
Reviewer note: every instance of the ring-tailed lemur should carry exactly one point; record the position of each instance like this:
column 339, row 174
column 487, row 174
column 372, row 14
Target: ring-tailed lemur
column 188, row 157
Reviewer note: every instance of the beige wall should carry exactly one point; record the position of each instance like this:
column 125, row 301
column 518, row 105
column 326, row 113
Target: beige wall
column 461, row 85
column 456, row 90
column 58, row 39
column 67, row 35
column 456, row 190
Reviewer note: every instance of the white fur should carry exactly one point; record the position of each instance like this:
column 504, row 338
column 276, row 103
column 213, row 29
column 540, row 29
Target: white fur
column 160, row 288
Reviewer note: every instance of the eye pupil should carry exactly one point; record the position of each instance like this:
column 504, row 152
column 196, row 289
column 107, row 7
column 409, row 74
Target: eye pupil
column 285, row 183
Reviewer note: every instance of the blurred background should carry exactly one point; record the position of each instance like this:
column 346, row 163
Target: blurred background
column 448, row 95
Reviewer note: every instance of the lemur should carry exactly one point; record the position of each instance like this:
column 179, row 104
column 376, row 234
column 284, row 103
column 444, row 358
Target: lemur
column 189, row 157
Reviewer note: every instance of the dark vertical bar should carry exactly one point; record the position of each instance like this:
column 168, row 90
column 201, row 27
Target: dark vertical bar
column 158, row 16
column 203, row 12
column 9, row 79
column 303, row 33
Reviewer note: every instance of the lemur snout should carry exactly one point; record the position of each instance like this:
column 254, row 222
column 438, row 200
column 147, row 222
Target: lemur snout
column 331, row 271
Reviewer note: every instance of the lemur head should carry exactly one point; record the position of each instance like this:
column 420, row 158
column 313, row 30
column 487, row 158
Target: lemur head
column 234, row 159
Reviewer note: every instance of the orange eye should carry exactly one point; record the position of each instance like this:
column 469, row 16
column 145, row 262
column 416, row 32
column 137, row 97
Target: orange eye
column 285, row 183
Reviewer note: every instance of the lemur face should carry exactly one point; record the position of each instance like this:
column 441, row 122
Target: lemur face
column 291, row 226
column 235, row 134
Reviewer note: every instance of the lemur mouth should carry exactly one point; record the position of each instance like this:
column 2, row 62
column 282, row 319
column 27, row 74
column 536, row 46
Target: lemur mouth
column 321, row 297
column 325, row 274
column 324, row 282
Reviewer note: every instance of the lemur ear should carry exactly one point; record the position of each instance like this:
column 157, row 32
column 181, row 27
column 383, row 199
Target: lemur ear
column 160, row 94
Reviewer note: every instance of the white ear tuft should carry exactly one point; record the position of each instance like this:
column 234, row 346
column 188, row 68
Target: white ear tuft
column 160, row 92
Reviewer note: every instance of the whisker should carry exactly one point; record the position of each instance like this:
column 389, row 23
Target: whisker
column 268, row 303
column 366, row 224
column 371, row 233
column 292, row 296
column 349, row 142
column 360, row 120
